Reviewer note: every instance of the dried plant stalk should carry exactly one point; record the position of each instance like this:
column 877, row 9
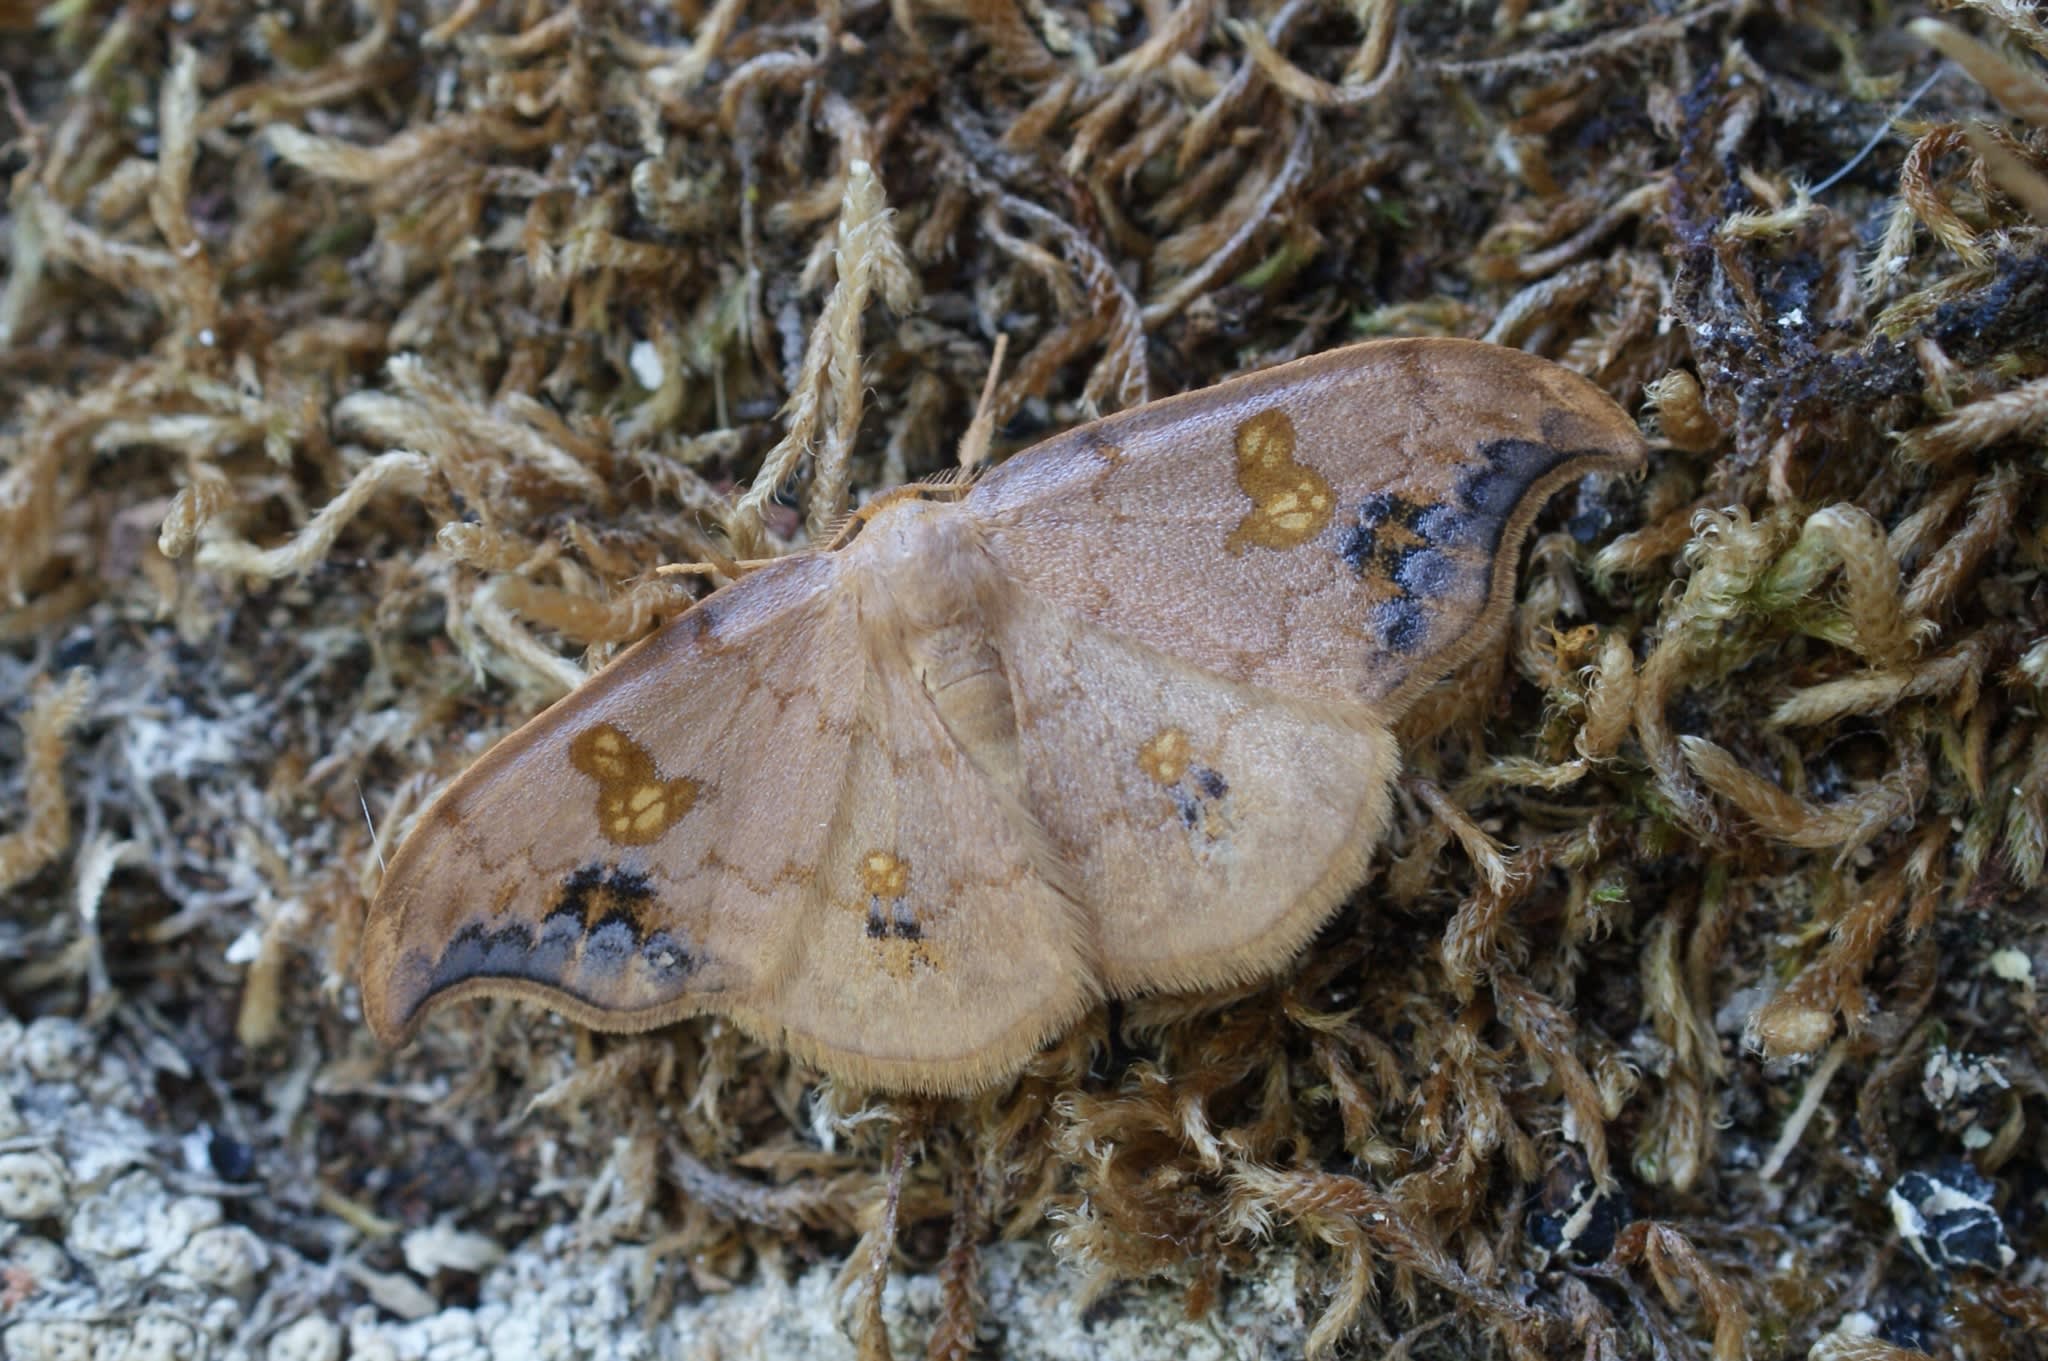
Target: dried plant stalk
column 1993, row 505
column 1610, row 700
column 1252, row 210
column 193, row 508
column 588, row 621
column 1546, row 1031
column 1335, row 1207
column 1958, row 673
column 525, row 660
column 2019, row 413
column 399, row 471
column 1672, row 1259
column 2006, row 167
column 1875, row 615
column 1681, row 1137
column 1847, row 824
column 869, row 260
column 1801, row 1018
column 1484, row 851
column 2026, row 816
column 1728, row 555
column 2019, row 92
column 1682, row 413
column 54, row 708
column 470, row 444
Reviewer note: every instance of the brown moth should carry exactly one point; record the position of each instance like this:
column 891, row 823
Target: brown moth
column 1115, row 719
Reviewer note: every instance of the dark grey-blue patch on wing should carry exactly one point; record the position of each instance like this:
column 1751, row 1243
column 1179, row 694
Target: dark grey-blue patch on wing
column 597, row 931
column 1400, row 624
column 1413, row 553
column 606, row 949
column 1496, row 481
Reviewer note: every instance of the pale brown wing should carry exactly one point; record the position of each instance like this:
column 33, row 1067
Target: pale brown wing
column 750, row 814
column 644, row 849
column 1345, row 527
column 947, row 949
column 1212, row 825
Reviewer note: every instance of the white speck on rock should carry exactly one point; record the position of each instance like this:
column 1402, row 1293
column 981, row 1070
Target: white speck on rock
column 55, row 1049
column 646, row 362
column 441, row 1246
column 309, row 1339
column 245, row 948
column 132, row 1231
column 48, row 1340
column 156, row 1336
column 37, row 1261
column 226, row 1257
column 2013, row 966
column 32, row 1185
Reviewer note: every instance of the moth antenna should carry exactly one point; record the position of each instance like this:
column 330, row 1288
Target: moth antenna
column 840, row 531
column 974, row 444
column 948, row 484
column 732, row 569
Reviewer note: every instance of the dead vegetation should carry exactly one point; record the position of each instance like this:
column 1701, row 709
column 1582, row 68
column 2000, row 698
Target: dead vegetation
column 360, row 364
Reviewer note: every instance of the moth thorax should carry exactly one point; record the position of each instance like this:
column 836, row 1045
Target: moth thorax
column 936, row 566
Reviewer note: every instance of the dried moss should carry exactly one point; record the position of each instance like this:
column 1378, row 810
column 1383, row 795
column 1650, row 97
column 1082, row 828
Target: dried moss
column 359, row 366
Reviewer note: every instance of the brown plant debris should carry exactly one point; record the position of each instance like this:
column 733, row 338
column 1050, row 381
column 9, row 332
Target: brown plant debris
column 53, row 708
column 369, row 372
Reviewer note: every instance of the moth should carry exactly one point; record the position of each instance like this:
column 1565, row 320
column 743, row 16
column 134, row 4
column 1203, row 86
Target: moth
column 1115, row 718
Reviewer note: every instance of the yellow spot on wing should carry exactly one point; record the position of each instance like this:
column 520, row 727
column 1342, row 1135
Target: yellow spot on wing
column 1291, row 502
column 884, row 875
column 635, row 806
column 1164, row 756
column 896, row 941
